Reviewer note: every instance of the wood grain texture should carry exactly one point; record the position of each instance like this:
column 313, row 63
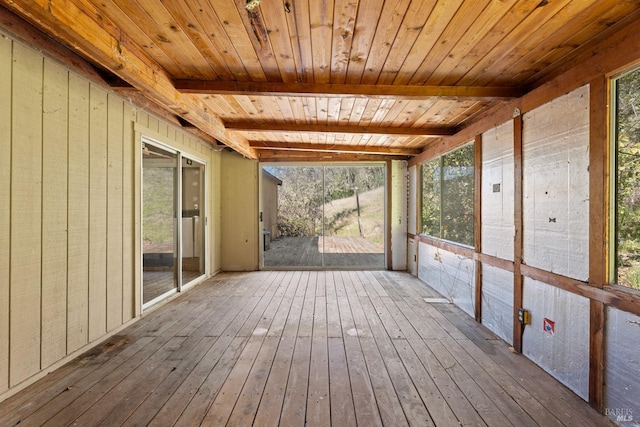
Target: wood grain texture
column 518, row 189
column 6, row 48
column 55, row 112
column 477, row 223
column 26, row 214
column 78, row 212
column 98, row 167
column 130, row 282
column 115, row 213
column 508, row 47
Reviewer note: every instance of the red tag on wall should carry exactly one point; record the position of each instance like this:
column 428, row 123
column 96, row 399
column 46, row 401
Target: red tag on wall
column 549, row 326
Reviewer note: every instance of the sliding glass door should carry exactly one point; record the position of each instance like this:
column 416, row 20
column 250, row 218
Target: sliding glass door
column 173, row 251
column 193, row 258
column 323, row 216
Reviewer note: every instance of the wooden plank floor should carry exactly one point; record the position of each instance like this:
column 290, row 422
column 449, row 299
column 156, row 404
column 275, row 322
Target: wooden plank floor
column 290, row 348
column 331, row 252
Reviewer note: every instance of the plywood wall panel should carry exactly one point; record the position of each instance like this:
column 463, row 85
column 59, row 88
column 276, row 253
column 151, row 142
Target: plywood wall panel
column 6, row 47
column 128, row 203
column 70, row 252
column 54, row 212
column 115, row 130
column 26, row 208
column 97, row 213
column 78, row 212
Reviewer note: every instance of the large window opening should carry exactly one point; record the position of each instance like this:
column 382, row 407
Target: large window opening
column 627, row 180
column 447, row 196
column 323, row 216
column 173, row 221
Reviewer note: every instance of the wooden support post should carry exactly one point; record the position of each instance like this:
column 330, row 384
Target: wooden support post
column 518, row 328
column 388, row 214
column 599, row 157
column 477, row 222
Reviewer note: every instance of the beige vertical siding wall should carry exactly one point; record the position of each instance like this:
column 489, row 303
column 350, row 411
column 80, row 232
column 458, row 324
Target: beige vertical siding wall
column 69, row 220
column 240, row 225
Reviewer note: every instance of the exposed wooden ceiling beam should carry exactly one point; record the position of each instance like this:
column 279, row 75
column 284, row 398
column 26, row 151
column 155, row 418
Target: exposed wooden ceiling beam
column 371, row 130
column 298, row 156
column 78, row 24
column 217, row 87
column 335, row 148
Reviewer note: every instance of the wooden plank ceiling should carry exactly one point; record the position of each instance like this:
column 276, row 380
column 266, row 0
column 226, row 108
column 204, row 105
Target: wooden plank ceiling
column 331, row 79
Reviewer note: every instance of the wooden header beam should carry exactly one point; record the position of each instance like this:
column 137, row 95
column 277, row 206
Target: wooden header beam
column 335, row 148
column 371, row 130
column 217, row 87
column 305, row 156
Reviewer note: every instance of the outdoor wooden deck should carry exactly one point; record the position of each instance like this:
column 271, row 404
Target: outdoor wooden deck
column 286, row 348
column 337, row 251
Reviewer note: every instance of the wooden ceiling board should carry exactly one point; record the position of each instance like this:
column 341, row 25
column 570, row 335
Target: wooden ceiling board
column 328, row 63
column 193, row 29
column 414, row 21
column 439, row 18
column 389, row 23
column 251, row 47
column 549, row 37
column 275, row 23
column 298, row 20
column 206, row 33
column 502, row 56
column 493, row 37
column 362, row 39
column 590, row 21
column 310, row 110
column 161, row 25
column 152, row 46
column 345, row 13
column 321, row 18
column 479, row 27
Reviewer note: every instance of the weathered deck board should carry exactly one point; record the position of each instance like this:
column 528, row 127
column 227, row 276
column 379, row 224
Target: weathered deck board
column 295, row 348
column 328, row 252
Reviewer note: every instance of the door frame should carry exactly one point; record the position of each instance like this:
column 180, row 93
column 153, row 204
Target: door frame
column 387, row 208
column 143, row 139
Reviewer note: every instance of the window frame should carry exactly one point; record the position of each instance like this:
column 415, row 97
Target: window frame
column 614, row 181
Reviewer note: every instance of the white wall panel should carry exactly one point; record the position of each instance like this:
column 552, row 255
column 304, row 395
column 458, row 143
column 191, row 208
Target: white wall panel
column 451, row 275
column 497, row 192
column 399, row 215
column 556, row 185
column 412, row 256
column 622, row 371
column 412, row 222
column 564, row 354
column 497, row 301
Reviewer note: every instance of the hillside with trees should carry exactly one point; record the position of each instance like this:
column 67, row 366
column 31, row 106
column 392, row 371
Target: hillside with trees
column 308, row 192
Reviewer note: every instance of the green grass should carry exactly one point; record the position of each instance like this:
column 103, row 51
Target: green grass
column 158, row 205
column 342, row 218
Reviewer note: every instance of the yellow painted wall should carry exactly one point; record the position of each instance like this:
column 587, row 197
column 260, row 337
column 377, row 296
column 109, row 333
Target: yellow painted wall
column 69, row 211
column 239, row 183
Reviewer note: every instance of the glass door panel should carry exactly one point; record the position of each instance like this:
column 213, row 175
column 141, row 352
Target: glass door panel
column 295, row 193
column 193, row 247
column 159, row 188
column 327, row 216
column 353, row 217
